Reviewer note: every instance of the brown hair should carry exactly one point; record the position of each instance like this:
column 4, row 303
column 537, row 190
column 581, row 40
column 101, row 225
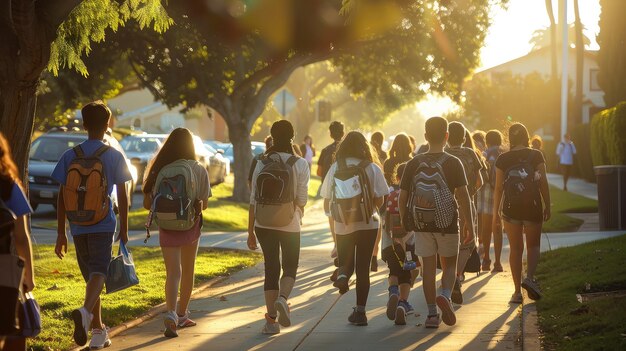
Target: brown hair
column 355, row 145
column 96, row 116
column 536, row 142
column 178, row 146
column 8, row 169
column 518, row 135
column 401, row 147
column 436, row 129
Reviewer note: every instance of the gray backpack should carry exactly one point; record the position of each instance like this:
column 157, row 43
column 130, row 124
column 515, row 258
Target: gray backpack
column 174, row 196
column 432, row 205
column 275, row 191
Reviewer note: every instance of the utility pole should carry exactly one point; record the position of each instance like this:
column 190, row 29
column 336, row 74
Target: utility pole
column 564, row 68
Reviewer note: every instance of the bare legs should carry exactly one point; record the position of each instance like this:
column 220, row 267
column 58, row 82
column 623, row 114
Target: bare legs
column 533, row 247
column 180, row 271
column 486, row 231
column 429, row 272
column 92, row 299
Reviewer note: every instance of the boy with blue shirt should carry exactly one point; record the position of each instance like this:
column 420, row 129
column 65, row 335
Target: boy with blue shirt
column 93, row 243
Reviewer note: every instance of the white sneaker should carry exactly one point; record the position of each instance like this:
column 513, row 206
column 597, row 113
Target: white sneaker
column 170, row 322
column 99, row 339
column 82, row 320
column 283, row 312
column 271, row 326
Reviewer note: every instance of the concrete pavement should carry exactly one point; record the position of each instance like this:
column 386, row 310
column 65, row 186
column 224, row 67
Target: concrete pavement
column 575, row 185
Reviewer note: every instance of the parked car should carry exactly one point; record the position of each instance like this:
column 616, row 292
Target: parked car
column 227, row 150
column 219, row 158
column 46, row 151
column 140, row 149
column 215, row 164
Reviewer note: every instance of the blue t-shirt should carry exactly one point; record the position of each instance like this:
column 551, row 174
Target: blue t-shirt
column 18, row 202
column 116, row 172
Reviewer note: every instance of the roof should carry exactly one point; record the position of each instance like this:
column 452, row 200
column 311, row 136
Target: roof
column 591, row 54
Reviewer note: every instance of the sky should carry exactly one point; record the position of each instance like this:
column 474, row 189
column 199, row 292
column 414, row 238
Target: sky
column 510, row 32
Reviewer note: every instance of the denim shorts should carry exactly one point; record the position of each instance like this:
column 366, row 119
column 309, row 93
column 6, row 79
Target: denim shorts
column 93, row 252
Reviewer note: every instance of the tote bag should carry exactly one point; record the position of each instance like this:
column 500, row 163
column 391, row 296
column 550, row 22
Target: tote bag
column 122, row 272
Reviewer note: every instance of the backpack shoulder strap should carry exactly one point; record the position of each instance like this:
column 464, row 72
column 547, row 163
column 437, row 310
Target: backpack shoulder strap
column 363, row 164
column 101, row 150
column 342, row 163
column 78, row 151
column 291, row 161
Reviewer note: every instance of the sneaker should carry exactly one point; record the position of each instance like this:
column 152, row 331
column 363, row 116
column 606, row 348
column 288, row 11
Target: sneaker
column 357, row 318
column 516, row 298
column 170, row 321
column 532, row 288
column 82, row 319
column 432, row 321
column 99, row 339
column 457, row 295
column 401, row 312
column 447, row 311
column 374, row 264
column 185, row 321
column 283, row 312
column 333, row 277
column 409, row 308
column 271, row 325
column 341, row 284
column 392, row 305
column 497, row 267
column 486, row 266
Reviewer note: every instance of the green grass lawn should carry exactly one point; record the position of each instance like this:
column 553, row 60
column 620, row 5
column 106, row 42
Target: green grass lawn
column 566, row 202
column 60, row 288
column 567, row 324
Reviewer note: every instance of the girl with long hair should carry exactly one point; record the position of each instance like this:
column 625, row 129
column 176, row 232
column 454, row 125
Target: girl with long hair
column 179, row 248
column 280, row 243
column 355, row 239
column 14, row 199
column 401, row 151
column 522, row 202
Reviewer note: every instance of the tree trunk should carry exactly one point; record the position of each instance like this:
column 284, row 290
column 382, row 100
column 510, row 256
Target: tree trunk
column 239, row 135
column 553, row 43
column 17, row 104
column 576, row 117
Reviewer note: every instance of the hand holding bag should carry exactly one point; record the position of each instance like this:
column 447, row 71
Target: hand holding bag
column 122, row 272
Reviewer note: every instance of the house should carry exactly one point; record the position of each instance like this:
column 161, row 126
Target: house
column 540, row 61
column 138, row 110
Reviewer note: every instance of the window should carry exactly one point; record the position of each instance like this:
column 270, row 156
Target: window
column 593, row 80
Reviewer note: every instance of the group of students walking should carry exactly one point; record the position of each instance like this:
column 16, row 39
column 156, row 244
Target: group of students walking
column 421, row 208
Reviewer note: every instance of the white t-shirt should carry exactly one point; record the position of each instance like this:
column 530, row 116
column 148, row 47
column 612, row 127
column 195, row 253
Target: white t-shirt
column 303, row 173
column 566, row 151
column 308, row 154
column 377, row 184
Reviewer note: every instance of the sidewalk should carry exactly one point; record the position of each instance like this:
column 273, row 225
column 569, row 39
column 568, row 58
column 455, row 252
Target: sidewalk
column 575, row 185
column 230, row 315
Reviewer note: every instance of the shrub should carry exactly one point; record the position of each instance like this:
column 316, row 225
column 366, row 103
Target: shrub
column 584, row 166
column 608, row 139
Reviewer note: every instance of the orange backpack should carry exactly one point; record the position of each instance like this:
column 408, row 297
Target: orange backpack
column 85, row 191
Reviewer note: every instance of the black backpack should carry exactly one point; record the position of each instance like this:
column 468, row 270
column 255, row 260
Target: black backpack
column 520, row 187
column 351, row 200
column 275, row 191
column 469, row 165
column 432, row 206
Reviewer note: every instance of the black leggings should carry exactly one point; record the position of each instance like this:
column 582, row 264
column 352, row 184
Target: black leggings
column 362, row 243
column 395, row 263
column 272, row 243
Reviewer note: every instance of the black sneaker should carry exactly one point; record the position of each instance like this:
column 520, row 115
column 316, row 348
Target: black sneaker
column 457, row 296
column 532, row 288
column 342, row 285
column 357, row 318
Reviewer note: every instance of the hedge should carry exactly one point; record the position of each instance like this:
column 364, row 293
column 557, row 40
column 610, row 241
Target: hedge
column 608, row 136
column 584, row 165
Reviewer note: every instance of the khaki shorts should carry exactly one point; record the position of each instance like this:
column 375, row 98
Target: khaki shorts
column 429, row 244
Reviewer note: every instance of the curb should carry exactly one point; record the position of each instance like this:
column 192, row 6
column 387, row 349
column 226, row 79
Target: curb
column 530, row 329
column 155, row 311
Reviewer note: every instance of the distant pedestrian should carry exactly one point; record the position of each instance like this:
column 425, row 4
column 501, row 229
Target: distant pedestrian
column 472, row 165
column 523, row 196
column 479, row 140
column 279, row 194
column 308, row 150
column 326, row 159
column 92, row 223
column 12, row 197
column 377, row 139
column 493, row 140
column 430, row 184
column 400, row 152
column 353, row 191
column 566, row 150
